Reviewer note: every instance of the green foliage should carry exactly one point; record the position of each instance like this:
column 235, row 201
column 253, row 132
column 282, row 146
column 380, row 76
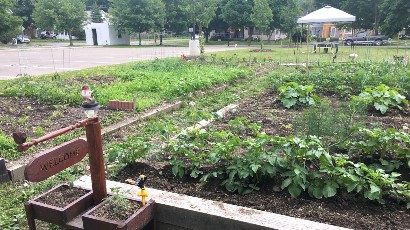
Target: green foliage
column 333, row 125
column 382, row 98
column 385, row 148
column 151, row 82
column 128, row 151
column 302, row 164
column 349, row 78
column 261, row 16
column 96, row 15
column 117, row 201
column 7, row 147
column 293, row 94
column 9, row 24
column 63, row 15
column 137, row 16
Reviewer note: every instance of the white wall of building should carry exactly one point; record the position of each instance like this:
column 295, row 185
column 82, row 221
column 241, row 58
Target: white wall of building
column 106, row 35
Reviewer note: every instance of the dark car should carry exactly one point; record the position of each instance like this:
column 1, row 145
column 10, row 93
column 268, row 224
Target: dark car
column 47, row 35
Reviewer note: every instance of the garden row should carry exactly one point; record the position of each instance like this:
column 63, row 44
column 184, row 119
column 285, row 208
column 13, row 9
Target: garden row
column 332, row 150
column 48, row 103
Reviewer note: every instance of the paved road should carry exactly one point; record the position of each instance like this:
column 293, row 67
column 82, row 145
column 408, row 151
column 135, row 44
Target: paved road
column 57, row 58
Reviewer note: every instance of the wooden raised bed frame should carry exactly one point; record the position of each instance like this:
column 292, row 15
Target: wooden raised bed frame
column 57, row 215
column 136, row 221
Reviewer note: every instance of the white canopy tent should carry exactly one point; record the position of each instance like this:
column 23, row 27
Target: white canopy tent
column 326, row 14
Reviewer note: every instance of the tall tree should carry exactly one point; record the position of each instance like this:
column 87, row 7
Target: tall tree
column 103, row 4
column 24, row 9
column 276, row 7
column 289, row 15
column 368, row 13
column 396, row 14
column 137, row 16
column 10, row 25
column 261, row 16
column 96, row 15
column 62, row 15
column 176, row 17
column 237, row 14
column 201, row 12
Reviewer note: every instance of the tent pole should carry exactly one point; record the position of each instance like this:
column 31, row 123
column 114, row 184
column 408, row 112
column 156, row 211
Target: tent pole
column 307, row 49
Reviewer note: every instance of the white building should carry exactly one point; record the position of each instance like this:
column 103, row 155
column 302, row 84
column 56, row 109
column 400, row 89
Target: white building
column 101, row 34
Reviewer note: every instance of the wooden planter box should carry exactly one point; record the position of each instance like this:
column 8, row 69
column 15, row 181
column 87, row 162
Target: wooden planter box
column 57, row 215
column 136, row 221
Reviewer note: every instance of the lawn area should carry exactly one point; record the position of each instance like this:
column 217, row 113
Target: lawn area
column 334, row 135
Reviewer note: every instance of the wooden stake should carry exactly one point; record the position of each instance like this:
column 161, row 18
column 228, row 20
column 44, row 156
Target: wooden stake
column 93, row 133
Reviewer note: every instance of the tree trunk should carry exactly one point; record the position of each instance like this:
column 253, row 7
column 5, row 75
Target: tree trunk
column 261, row 37
column 250, row 33
column 270, row 36
column 139, row 38
column 70, row 37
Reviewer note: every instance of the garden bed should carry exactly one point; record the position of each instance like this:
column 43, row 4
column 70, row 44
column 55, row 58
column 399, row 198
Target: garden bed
column 344, row 209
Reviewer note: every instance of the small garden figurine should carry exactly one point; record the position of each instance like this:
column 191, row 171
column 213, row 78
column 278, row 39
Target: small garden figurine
column 87, row 94
column 142, row 192
column 89, row 105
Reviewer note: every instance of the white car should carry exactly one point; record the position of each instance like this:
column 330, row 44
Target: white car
column 21, row 39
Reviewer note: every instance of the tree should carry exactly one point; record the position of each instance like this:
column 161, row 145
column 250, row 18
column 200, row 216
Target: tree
column 96, row 15
column 288, row 16
column 10, row 25
column 102, row 4
column 261, row 16
column 24, row 10
column 137, row 16
column 396, row 14
column 176, row 18
column 368, row 13
column 62, row 15
column 237, row 14
column 200, row 12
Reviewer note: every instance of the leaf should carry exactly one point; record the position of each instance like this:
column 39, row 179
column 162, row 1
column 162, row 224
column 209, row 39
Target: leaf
column 286, row 183
column 351, row 187
column 294, row 190
column 374, row 188
column 329, row 189
column 382, row 108
column 255, row 167
column 289, row 102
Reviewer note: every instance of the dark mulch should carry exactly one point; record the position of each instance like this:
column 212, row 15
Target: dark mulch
column 62, row 196
column 344, row 209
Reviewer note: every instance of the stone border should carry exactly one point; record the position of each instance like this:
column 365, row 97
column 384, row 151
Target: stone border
column 16, row 169
column 181, row 212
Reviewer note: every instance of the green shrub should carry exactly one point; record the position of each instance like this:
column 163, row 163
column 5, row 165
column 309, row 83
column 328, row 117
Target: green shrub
column 382, row 98
column 293, row 94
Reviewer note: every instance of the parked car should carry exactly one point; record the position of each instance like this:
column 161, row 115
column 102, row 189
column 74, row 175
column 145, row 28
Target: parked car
column 47, row 35
column 21, row 39
column 361, row 38
column 404, row 36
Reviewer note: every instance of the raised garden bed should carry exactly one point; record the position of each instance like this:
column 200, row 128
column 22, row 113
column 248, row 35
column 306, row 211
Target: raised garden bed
column 131, row 215
column 344, row 209
column 60, row 204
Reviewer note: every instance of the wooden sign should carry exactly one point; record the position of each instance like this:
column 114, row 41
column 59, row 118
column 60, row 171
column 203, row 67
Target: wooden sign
column 55, row 160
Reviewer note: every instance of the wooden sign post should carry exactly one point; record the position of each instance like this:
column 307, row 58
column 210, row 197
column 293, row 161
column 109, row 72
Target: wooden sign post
column 52, row 161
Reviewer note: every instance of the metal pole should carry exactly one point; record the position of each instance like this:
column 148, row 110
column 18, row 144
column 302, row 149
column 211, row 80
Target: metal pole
column 95, row 152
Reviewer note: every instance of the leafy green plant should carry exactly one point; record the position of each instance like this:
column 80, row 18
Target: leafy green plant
column 382, row 98
column 128, row 151
column 293, row 94
column 117, row 201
